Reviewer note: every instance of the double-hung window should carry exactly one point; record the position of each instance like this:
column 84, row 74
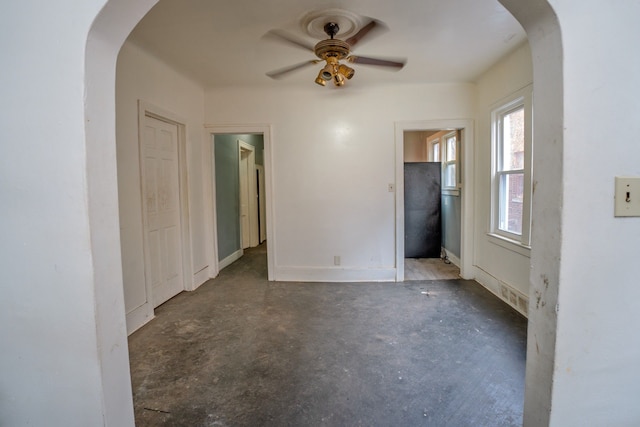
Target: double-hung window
column 449, row 161
column 511, row 149
column 444, row 148
column 434, row 155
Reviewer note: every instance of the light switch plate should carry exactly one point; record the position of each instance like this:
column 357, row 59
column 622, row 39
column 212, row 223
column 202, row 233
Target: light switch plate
column 627, row 196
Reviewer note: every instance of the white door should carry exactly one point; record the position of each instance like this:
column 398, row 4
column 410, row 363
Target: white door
column 245, row 220
column 163, row 236
column 248, row 196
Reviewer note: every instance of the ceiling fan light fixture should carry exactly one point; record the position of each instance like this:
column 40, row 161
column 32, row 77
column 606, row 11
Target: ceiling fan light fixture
column 327, row 72
column 338, row 79
column 320, row 79
column 346, row 71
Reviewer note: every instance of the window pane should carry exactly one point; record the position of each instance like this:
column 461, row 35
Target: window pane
column 513, row 140
column 511, row 195
column 451, row 148
column 449, row 174
column 436, row 152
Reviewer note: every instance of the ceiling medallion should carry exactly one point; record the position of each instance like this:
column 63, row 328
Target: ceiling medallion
column 313, row 22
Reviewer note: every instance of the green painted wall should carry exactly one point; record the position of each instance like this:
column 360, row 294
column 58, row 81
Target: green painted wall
column 227, row 188
column 451, row 223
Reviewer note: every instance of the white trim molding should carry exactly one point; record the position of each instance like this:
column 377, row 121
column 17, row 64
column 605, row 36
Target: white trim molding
column 139, row 316
column 334, row 274
column 503, row 290
column 230, row 259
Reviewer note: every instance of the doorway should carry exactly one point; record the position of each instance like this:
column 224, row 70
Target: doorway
column 432, row 204
column 447, row 143
column 241, row 177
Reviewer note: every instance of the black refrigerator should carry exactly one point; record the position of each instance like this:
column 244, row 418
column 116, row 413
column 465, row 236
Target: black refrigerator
column 422, row 203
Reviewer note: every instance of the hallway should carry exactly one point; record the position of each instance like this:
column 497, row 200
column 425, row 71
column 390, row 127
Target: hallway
column 242, row 351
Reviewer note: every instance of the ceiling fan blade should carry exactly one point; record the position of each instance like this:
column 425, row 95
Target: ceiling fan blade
column 377, row 61
column 283, row 36
column 281, row 72
column 366, row 31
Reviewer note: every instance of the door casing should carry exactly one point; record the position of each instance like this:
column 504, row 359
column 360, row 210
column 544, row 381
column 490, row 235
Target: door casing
column 262, row 207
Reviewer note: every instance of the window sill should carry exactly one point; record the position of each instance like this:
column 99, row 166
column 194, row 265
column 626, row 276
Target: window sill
column 510, row 244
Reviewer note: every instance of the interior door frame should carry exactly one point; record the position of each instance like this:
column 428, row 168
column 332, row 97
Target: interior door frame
column 262, row 208
column 145, row 109
column 260, row 129
column 467, row 187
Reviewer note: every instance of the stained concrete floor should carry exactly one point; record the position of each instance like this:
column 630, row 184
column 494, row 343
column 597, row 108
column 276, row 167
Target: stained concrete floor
column 242, row 351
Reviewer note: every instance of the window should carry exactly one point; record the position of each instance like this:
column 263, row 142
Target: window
column 444, row 147
column 511, row 190
column 435, row 151
column 449, row 176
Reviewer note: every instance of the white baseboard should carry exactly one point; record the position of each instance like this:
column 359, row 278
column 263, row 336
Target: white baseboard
column 200, row 278
column 334, row 274
column 138, row 317
column 503, row 290
column 230, row 259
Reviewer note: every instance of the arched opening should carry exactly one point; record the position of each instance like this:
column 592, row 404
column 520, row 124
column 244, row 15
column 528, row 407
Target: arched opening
column 543, row 31
column 105, row 39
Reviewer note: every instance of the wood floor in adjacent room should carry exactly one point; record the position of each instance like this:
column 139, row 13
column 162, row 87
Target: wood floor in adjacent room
column 242, row 351
column 429, row 269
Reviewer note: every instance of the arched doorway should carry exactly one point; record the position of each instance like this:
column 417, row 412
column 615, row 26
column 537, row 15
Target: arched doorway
column 107, row 34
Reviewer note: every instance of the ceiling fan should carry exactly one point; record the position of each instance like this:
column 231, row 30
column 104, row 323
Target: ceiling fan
column 332, row 51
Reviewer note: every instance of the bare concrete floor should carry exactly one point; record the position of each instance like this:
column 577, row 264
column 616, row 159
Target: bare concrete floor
column 242, row 351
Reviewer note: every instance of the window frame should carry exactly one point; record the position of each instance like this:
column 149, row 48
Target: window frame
column 521, row 99
column 444, row 158
column 432, row 151
column 439, row 138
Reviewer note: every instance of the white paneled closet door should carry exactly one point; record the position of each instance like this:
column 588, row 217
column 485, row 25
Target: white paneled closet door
column 161, row 210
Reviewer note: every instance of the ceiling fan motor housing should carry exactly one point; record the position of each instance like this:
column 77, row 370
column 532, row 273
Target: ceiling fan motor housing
column 332, row 48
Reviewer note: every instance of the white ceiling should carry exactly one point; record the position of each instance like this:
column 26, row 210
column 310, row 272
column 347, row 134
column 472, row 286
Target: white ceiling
column 219, row 43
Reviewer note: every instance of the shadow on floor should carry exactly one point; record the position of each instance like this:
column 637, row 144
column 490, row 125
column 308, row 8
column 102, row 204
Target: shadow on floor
column 242, row 351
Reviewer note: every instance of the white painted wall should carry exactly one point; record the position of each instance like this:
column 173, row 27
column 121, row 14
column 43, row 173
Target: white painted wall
column 333, row 157
column 583, row 348
column 140, row 76
column 495, row 264
column 597, row 374
column 415, row 147
column 63, row 357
